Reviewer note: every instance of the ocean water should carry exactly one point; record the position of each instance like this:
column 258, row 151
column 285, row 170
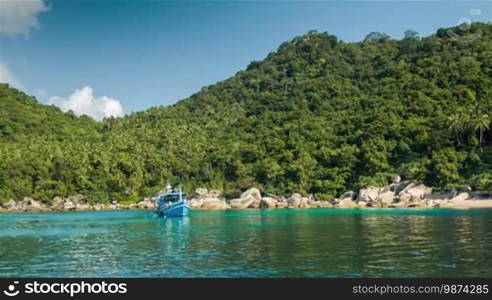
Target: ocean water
column 270, row 243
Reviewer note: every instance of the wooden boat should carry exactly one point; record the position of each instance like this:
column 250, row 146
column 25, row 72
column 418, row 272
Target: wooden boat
column 172, row 203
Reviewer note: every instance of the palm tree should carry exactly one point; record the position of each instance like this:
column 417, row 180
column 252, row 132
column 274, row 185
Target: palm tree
column 481, row 123
column 456, row 125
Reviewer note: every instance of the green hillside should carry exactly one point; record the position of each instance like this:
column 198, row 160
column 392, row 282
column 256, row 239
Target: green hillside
column 22, row 118
column 317, row 116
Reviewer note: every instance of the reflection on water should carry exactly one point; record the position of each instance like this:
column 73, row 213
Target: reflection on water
column 281, row 243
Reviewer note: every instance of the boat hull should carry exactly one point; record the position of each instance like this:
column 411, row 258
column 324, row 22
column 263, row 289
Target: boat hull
column 179, row 209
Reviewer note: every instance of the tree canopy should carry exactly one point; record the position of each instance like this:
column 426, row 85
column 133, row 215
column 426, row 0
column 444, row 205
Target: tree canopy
column 318, row 116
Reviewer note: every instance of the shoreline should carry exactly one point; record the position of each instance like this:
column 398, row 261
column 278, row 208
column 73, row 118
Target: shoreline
column 472, row 205
column 398, row 195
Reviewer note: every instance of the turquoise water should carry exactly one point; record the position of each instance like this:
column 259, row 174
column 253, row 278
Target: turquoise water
column 278, row 243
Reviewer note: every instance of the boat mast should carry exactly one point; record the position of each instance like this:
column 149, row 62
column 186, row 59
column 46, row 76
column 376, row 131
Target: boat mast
column 180, row 195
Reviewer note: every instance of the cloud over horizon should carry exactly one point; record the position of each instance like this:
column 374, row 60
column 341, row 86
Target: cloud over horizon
column 20, row 16
column 83, row 102
column 6, row 76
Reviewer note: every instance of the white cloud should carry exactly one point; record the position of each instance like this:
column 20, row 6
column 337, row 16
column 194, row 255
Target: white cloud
column 7, row 77
column 83, row 102
column 20, row 16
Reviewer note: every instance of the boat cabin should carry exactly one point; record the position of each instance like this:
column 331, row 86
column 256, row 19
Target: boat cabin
column 171, row 198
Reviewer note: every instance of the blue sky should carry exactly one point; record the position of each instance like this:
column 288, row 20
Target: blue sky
column 146, row 53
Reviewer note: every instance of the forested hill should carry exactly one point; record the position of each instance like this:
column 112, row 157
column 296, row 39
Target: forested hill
column 22, row 118
column 317, row 116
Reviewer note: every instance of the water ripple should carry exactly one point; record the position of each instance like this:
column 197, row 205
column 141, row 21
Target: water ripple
column 281, row 243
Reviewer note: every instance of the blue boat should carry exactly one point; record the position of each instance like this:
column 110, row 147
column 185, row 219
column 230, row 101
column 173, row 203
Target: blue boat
column 172, row 203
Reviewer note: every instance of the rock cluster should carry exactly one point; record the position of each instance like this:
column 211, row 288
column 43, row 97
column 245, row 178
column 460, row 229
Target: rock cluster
column 408, row 194
column 399, row 194
column 251, row 198
column 76, row 202
column 205, row 199
column 26, row 204
column 147, row 203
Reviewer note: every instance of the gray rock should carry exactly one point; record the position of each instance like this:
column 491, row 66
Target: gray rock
column 385, row 198
column 68, row 205
column 57, row 203
column 77, row 199
column 252, row 192
column 255, row 203
column 214, row 194
column 241, row 203
column 368, row 195
column 350, row 194
column 414, row 191
column 268, row 202
column 146, row 204
column 279, row 199
column 200, row 193
column 304, row 205
column 346, row 203
column 11, row 205
column 305, row 201
column 282, row 204
column 203, row 193
column 205, row 199
column 98, row 206
column 461, row 197
column 27, row 201
column 294, row 200
column 400, row 186
column 325, row 204
column 83, row 206
column 195, row 203
column 29, row 204
column 362, row 204
column 214, row 204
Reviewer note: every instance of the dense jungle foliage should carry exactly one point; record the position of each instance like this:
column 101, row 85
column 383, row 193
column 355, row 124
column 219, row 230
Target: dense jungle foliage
column 318, row 116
